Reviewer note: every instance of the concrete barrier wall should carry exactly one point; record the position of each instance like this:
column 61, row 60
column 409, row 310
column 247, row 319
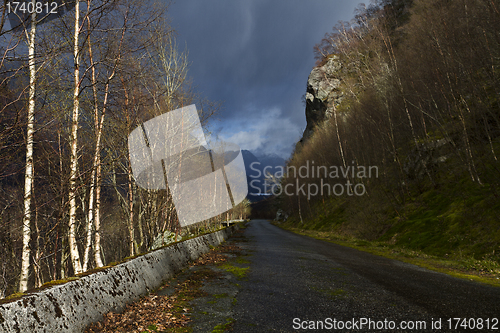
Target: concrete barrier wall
column 72, row 306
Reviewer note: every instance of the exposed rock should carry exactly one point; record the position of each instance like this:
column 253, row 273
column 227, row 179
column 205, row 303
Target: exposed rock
column 428, row 155
column 281, row 215
column 323, row 93
column 165, row 238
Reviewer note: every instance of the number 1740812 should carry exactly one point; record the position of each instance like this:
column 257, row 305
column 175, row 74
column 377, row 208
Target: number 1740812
column 30, row 7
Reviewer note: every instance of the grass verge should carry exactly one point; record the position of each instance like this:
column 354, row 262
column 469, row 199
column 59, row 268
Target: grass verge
column 483, row 271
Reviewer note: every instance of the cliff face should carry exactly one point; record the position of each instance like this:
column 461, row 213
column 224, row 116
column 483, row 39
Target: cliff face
column 323, row 94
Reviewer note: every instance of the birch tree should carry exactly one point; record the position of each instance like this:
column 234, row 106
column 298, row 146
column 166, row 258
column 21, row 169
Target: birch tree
column 73, row 246
column 95, row 191
column 28, row 178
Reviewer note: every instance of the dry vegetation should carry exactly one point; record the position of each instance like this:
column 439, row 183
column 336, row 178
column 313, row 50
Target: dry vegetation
column 162, row 313
column 421, row 90
column 92, row 79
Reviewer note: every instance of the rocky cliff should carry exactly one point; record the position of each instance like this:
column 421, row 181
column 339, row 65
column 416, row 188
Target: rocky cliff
column 323, row 94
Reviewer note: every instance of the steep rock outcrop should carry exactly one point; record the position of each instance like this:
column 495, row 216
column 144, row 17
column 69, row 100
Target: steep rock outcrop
column 323, row 94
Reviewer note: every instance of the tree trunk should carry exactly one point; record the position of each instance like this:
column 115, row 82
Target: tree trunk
column 37, row 263
column 73, row 246
column 97, row 217
column 131, row 210
column 28, row 178
column 93, row 210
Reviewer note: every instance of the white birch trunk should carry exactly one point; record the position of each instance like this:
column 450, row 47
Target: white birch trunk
column 93, row 212
column 73, row 246
column 131, row 211
column 88, row 242
column 95, row 170
column 97, row 217
column 28, row 178
column 95, row 188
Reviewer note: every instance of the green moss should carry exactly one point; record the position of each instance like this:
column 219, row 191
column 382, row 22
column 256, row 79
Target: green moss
column 239, row 272
column 153, row 328
column 224, row 327
column 57, row 282
column 241, row 260
column 14, row 296
column 335, row 293
column 132, row 257
column 114, row 263
column 216, row 297
column 441, row 223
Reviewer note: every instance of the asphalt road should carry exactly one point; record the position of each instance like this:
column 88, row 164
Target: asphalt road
column 297, row 283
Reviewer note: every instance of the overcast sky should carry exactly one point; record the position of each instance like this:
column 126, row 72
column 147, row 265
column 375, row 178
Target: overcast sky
column 255, row 57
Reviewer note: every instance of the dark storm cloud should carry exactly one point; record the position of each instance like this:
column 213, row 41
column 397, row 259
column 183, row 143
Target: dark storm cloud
column 256, row 55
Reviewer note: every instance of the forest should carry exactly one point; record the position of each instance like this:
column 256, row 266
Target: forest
column 72, row 88
column 418, row 97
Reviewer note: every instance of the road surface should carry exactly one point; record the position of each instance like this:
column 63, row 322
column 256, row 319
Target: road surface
column 296, row 283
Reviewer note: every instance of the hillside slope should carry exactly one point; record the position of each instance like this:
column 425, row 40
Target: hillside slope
column 409, row 90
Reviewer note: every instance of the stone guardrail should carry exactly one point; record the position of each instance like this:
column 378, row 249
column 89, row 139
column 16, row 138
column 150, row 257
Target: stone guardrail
column 72, row 306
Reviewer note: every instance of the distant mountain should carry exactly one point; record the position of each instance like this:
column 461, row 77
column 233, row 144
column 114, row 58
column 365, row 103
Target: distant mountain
column 251, row 159
column 255, row 177
column 272, row 160
column 255, row 168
